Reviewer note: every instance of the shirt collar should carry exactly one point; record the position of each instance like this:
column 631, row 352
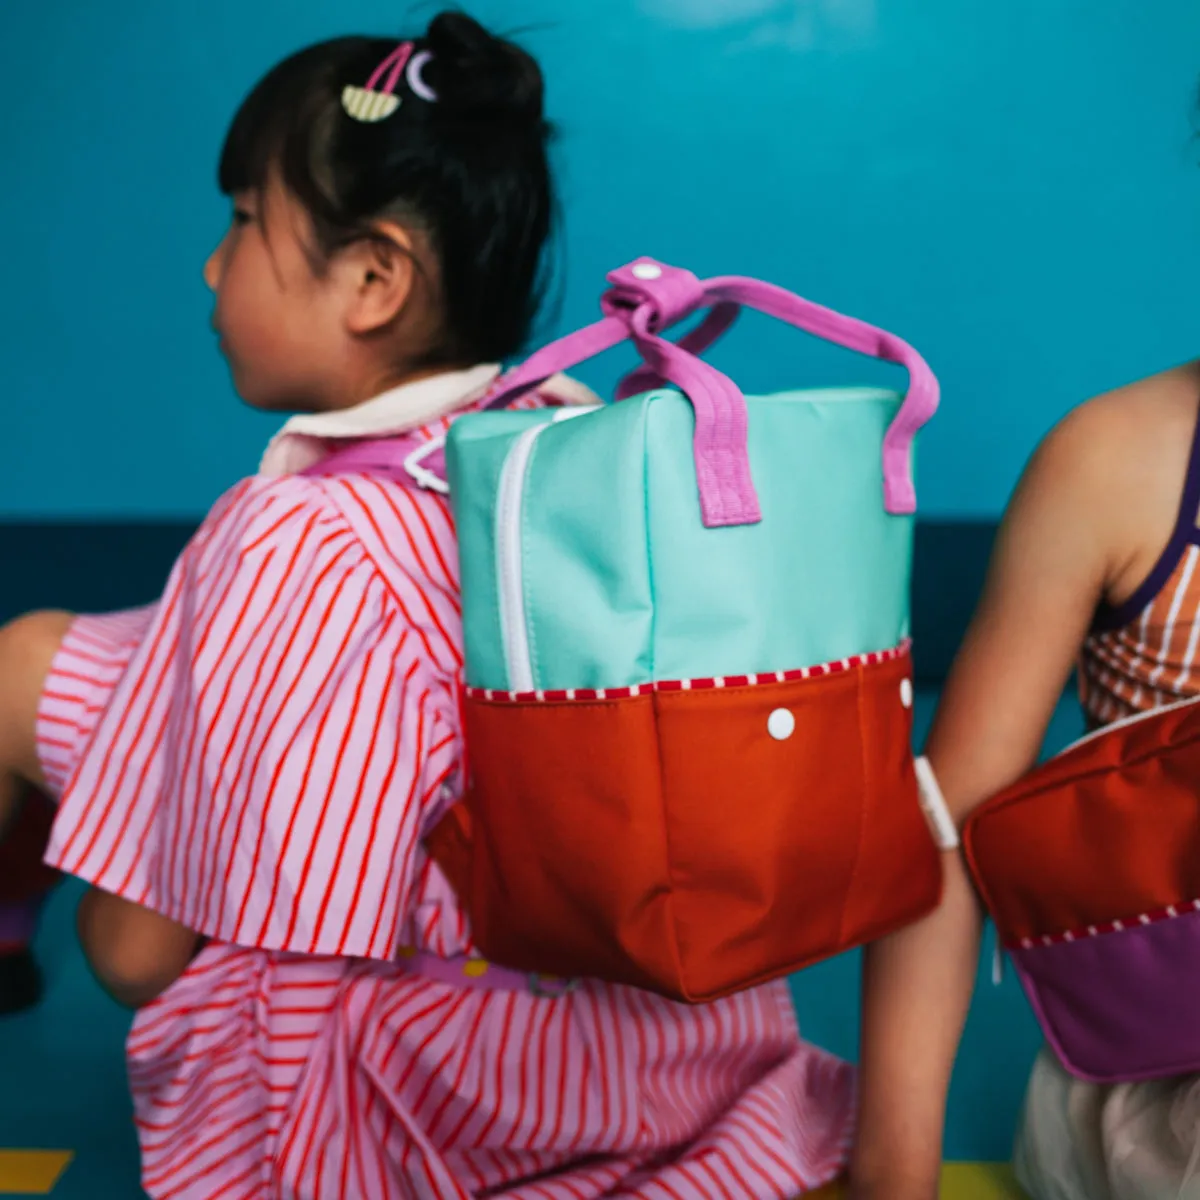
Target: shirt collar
column 411, row 406
column 304, row 440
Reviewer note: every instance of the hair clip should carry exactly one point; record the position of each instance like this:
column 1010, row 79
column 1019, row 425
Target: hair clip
column 377, row 103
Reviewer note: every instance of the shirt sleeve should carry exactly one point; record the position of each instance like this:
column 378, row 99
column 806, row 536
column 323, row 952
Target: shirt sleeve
column 265, row 768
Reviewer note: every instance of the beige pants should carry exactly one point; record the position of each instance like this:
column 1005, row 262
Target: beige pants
column 1132, row 1141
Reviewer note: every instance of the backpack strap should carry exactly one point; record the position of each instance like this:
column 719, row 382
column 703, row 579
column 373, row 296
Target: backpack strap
column 389, row 457
column 415, row 462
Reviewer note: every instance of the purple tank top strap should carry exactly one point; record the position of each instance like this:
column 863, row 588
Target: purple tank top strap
column 1108, row 617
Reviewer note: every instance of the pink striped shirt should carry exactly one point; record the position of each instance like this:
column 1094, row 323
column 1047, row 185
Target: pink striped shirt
column 258, row 756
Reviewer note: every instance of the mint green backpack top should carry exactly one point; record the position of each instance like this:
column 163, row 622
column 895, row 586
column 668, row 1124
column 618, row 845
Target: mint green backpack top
column 597, row 553
column 586, row 562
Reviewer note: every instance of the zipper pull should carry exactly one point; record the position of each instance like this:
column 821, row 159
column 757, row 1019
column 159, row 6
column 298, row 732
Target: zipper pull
column 997, row 963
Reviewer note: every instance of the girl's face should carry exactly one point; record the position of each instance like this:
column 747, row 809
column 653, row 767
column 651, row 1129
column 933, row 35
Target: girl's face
column 280, row 324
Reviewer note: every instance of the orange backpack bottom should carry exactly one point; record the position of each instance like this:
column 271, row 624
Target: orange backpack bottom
column 690, row 840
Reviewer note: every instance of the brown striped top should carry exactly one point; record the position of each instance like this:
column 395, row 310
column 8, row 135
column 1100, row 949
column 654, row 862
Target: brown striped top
column 1142, row 654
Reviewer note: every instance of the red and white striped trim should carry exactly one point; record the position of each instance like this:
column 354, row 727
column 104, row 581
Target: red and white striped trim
column 684, row 685
column 1184, row 909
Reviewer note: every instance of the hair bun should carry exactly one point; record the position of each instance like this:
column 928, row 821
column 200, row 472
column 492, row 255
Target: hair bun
column 475, row 73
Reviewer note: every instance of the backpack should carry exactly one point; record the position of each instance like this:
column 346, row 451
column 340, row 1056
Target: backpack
column 688, row 692
column 1090, row 868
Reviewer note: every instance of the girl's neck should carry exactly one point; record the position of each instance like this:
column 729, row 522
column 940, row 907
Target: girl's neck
column 370, row 386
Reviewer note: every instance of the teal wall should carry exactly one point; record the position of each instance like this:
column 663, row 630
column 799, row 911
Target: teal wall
column 1011, row 186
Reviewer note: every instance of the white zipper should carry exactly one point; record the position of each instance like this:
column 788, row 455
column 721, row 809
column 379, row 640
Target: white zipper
column 510, row 582
column 510, row 574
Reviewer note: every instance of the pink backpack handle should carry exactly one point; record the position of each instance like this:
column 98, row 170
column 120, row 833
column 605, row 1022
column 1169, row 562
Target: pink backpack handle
column 647, row 297
column 720, row 317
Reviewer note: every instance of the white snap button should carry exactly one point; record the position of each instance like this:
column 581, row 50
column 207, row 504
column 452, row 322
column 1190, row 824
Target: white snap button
column 647, row 271
column 906, row 692
column 781, row 724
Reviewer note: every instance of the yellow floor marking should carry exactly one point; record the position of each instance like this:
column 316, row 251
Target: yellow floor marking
column 960, row 1181
column 31, row 1172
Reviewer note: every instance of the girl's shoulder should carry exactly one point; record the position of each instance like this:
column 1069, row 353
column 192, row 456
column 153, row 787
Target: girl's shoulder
column 404, row 533
column 264, row 511
column 352, row 537
column 1141, row 429
column 272, row 510
column 1120, row 461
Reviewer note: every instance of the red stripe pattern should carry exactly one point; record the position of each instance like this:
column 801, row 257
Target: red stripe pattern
column 684, row 685
column 1151, row 662
column 368, row 1082
column 258, row 756
column 262, row 767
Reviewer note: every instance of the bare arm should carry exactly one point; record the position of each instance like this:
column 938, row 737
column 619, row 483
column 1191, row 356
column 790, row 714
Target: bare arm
column 27, row 648
column 134, row 953
column 1051, row 564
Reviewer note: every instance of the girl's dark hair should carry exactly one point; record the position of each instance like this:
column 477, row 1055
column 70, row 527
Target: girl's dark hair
column 469, row 169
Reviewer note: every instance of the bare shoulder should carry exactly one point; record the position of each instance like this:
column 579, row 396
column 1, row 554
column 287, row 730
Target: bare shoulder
column 1129, row 426
column 1120, row 460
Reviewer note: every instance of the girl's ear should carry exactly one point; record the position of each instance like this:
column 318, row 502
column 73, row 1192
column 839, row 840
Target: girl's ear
column 378, row 273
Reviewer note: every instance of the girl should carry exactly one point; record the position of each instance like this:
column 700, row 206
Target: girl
column 1095, row 565
column 245, row 770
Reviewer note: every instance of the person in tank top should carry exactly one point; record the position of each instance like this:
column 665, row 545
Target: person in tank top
column 1096, row 568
